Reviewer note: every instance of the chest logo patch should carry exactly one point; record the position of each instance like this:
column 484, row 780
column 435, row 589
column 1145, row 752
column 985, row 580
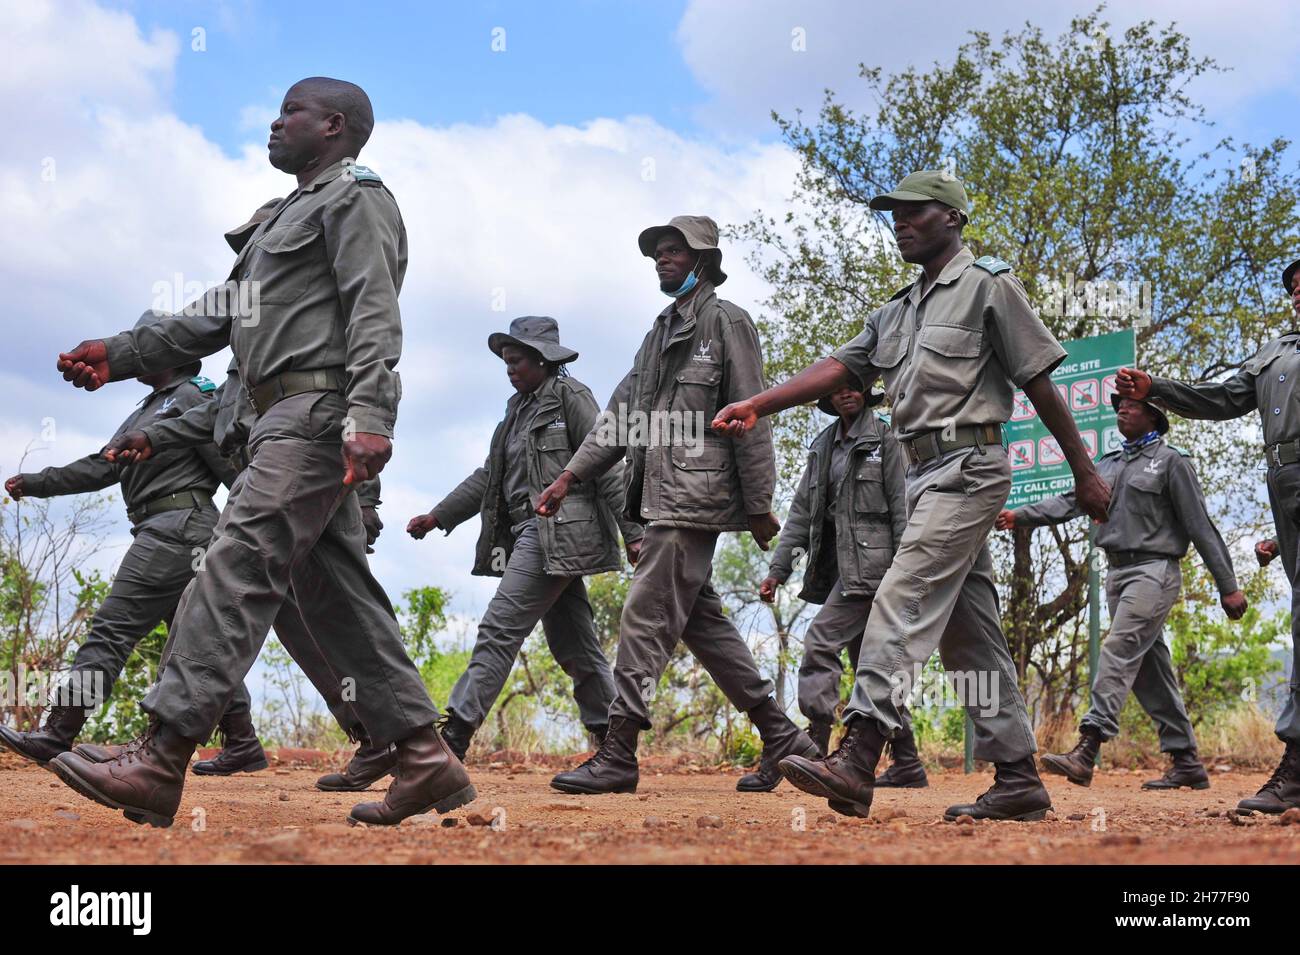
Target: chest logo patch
column 705, row 351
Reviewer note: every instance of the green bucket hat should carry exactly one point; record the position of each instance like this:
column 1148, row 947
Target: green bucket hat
column 923, row 186
column 700, row 233
column 537, row 332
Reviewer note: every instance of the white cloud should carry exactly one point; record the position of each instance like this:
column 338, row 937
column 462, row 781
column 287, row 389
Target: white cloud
column 547, row 214
column 748, row 64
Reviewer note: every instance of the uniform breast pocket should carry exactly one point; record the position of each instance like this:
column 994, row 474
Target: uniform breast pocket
column 553, row 453
column 1145, row 500
column 869, row 488
column 949, row 358
column 890, row 349
column 697, row 392
column 288, row 259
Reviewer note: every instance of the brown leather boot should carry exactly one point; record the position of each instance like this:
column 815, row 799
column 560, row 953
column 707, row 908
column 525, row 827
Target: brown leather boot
column 1185, row 770
column 1282, row 791
column 847, row 777
column 145, row 782
column 611, row 769
column 62, row 724
column 1077, row 764
column 241, row 752
column 103, row 752
column 1017, row 793
column 781, row 738
column 429, row 778
column 368, row 765
column 906, row 771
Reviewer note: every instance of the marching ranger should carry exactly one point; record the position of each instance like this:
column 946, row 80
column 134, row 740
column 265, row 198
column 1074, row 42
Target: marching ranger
column 541, row 563
column 688, row 486
column 226, row 421
column 952, row 347
column 317, row 352
column 847, row 516
column 1265, row 383
column 1157, row 508
column 169, row 503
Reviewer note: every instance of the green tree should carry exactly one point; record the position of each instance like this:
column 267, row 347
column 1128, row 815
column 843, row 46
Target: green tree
column 1076, row 152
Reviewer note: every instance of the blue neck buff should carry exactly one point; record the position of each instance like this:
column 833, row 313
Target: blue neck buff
column 1138, row 443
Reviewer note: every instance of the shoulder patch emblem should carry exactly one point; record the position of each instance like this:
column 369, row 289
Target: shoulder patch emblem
column 992, row 264
column 203, row 384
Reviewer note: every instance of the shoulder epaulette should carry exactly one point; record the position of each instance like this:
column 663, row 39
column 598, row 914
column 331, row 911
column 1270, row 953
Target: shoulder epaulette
column 992, row 264
column 363, row 173
column 1184, row 452
column 203, row 384
column 901, row 292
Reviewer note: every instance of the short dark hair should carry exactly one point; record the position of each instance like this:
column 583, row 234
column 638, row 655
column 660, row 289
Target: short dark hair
column 340, row 96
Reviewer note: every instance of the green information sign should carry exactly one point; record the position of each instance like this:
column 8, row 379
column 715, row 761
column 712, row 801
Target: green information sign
column 1086, row 380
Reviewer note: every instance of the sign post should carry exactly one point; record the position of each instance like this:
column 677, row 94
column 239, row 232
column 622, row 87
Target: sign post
column 1086, row 380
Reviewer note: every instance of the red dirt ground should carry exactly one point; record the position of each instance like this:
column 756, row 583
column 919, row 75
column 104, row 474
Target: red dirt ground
column 680, row 815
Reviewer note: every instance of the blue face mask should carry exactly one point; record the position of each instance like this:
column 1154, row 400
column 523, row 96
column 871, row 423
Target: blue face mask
column 690, row 282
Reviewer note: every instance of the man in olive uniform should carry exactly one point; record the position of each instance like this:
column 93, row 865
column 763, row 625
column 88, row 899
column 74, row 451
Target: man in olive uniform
column 952, row 347
column 687, row 485
column 169, row 503
column 227, row 421
column 541, row 563
column 849, row 530
column 1157, row 508
column 1265, row 383
column 317, row 353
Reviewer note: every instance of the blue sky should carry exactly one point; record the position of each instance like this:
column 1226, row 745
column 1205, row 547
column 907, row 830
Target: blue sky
column 434, row 62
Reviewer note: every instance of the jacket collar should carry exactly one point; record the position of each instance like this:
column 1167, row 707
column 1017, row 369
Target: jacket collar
column 545, row 398
column 689, row 310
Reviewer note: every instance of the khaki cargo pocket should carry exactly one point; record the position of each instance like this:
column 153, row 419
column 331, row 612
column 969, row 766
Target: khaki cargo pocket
column 289, row 262
column 950, row 362
column 575, row 509
column 701, row 478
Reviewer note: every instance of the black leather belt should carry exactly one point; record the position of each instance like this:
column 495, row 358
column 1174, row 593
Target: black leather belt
column 181, row 500
column 291, row 383
column 1284, row 452
column 933, row 443
column 1130, row 558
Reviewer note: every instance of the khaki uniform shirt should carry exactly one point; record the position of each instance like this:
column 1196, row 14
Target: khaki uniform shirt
column 955, row 354
column 324, row 271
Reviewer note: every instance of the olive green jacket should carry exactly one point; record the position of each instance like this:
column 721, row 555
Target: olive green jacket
column 582, row 538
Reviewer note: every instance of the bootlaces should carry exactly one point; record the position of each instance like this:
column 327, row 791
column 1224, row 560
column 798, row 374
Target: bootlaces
column 1289, row 761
